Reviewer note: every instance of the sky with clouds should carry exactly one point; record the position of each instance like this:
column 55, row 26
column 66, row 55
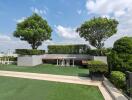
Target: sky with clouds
column 64, row 16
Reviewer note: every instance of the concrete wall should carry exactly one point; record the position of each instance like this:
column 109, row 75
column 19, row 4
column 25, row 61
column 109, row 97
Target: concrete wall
column 29, row 60
column 100, row 58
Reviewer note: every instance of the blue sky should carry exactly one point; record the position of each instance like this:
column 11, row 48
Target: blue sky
column 64, row 16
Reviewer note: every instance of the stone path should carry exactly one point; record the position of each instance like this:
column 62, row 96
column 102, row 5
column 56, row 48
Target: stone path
column 59, row 78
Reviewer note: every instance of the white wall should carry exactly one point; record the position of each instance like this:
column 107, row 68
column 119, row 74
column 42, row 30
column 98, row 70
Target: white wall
column 100, row 58
column 29, row 60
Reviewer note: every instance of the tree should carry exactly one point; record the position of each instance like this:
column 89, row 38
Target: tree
column 34, row 30
column 97, row 30
column 120, row 57
column 123, row 45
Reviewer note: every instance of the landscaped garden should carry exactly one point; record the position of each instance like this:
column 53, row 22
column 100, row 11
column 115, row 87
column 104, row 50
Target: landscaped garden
column 35, row 30
column 48, row 69
column 25, row 89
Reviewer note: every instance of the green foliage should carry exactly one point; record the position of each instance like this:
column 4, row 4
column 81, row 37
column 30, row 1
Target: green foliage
column 118, row 79
column 98, row 52
column 10, row 58
column 68, row 49
column 96, row 62
column 123, row 45
column 34, row 30
column 120, row 57
column 97, row 66
column 29, row 51
column 97, row 30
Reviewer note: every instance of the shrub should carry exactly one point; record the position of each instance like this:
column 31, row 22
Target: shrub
column 118, row 79
column 29, row 51
column 97, row 66
column 68, row 49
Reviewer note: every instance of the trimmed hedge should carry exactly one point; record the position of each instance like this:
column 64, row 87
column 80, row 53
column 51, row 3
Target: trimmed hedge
column 30, row 51
column 99, row 52
column 68, row 49
column 118, row 79
column 97, row 66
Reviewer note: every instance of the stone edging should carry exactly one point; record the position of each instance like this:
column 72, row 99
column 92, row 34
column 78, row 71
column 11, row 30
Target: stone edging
column 114, row 92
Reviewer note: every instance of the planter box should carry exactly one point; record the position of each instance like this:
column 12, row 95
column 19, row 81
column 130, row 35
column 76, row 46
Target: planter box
column 27, row 60
column 97, row 76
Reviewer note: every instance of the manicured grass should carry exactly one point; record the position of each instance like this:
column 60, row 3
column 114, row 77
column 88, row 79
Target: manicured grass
column 48, row 69
column 26, row 89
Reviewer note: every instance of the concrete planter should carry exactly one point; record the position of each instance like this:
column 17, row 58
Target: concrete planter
column 97, row 76
column 29, row 60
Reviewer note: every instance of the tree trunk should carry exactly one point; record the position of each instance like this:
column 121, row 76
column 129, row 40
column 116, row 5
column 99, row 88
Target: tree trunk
column 33, row 46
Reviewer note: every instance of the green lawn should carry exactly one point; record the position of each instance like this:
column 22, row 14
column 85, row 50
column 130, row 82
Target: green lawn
column 26, row 89
column 48, row 69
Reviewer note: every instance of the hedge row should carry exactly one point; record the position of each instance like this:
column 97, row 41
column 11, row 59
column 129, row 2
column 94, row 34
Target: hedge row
column 67, row 49
column 98, row 52
column 30, row 52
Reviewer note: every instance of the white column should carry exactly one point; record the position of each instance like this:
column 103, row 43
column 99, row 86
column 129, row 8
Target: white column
column 67, row 62
column 62, row 63
column 73, row 62
column 57, row 62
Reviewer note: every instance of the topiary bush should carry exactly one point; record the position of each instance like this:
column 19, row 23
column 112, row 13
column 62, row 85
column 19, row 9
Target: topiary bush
column 97, row 66
column 29, row 52
column 118, row 79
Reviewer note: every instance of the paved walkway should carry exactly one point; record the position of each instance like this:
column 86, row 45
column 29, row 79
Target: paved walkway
column 59, row 78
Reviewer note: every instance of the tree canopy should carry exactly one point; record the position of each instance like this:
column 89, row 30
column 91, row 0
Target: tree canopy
column 97, row 30
column 123, row 45
column 34, row 30
column 120, row 57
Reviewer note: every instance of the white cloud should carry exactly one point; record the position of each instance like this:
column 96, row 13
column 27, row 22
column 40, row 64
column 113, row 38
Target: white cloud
column 6, row 42
column 66, row 32
column 79, row 11
column 39, row 11
column 107, row 6
column 68, row 35
column 20, row 20
column 118, row 9
column 4, row 38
